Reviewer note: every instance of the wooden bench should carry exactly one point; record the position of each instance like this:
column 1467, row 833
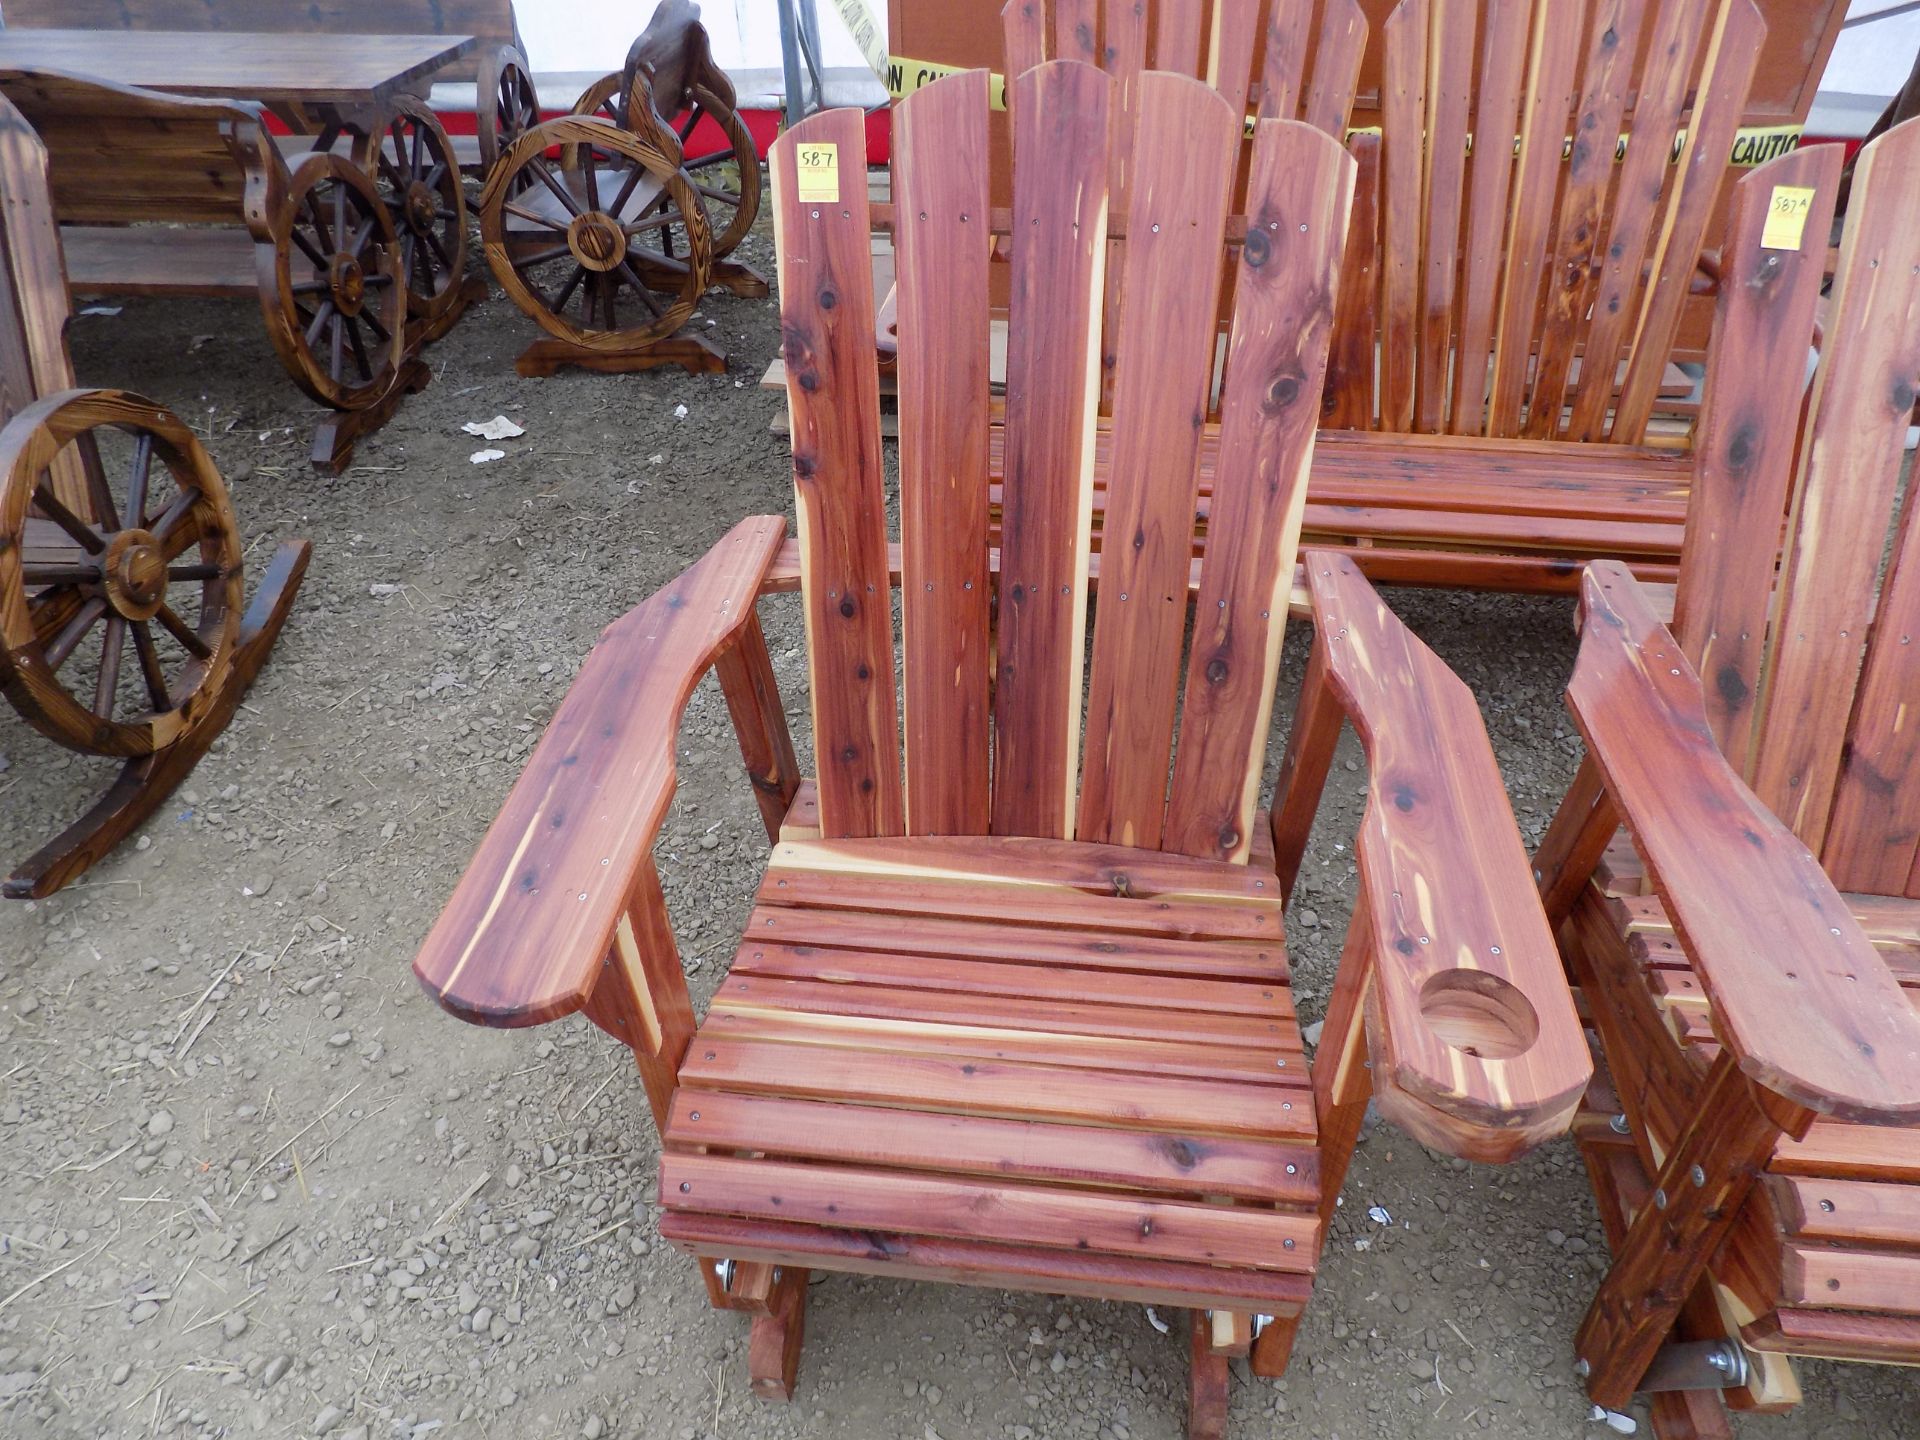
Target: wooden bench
column 1000, row 1017
column 1751, row 962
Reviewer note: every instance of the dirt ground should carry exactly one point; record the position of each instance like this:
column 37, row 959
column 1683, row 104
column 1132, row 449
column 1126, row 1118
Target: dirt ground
column 306, row 1201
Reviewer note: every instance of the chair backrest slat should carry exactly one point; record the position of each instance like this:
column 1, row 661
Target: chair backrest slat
column 1232, row 45
column 1861, row 406
column 1336, row 68
column 1298, row 195
column 1744, row 448
column 1613, row 42
column 1504, row 33
column 942, row 240
column 825, row 263
column 1076, row 30
column 1053, row 372
column 1347, row 397
column 1449, row 89
column 1546, row 108
column 1175, row 30
column 1870, row 843
column 1403, row 107
column 1283, row 64
column 1727, row 75
column 1183, row 171
column 1658, row 107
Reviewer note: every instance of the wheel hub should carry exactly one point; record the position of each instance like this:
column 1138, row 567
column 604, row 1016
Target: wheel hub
column 348, row 282
column 422, row 206
column 135, row 570
column 597, row 241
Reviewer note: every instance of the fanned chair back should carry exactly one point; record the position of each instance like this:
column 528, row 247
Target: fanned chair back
column 996, row 671
column 1813, row 671
column 1524, row 256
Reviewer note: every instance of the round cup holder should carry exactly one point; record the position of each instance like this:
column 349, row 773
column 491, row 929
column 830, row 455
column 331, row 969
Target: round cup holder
column 1479, row 1014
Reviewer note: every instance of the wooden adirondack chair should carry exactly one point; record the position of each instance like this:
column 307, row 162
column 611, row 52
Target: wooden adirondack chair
column 1023, row 1019
column 1750, row 959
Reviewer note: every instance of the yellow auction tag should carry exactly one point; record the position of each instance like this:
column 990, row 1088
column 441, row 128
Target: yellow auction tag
column 1786, row 217
column 819, row 167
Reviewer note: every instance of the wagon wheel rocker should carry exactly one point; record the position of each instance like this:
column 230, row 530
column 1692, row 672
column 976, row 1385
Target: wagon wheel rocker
column 727, row 178
column 121, row 631
column 576, row 241
column 417, row 175
column 328, row 263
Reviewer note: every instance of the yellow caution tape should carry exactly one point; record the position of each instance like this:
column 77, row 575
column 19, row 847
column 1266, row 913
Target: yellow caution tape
column 866, row 33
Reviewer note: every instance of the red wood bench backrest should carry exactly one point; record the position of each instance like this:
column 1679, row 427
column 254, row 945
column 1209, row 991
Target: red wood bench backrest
column 1812, row 672
column 1006, row 757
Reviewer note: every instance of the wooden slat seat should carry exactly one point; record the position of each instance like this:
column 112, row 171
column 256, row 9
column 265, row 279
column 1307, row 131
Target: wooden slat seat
column 1108, row 1065
column 157, row 259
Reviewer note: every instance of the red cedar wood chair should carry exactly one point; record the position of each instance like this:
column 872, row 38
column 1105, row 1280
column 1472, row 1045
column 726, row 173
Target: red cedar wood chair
column 1024, row 1021
column 1752, row 959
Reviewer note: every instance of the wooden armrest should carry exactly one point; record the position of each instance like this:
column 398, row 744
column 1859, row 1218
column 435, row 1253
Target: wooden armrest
column 1476, row 1047
column 1799, row 994
column 522, row 938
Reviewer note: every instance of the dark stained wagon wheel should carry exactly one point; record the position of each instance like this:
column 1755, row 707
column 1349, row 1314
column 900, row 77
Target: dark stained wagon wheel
column 414, row 169
column 727, row 178
column 118, row 614
column 580, row 248
column 506, row 109
column 329, row 285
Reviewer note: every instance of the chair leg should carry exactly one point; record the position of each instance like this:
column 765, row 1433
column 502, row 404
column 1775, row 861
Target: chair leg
column 773, row 1349
column 1206, row 1384
column 1690, row 1415
column 1273, row 1346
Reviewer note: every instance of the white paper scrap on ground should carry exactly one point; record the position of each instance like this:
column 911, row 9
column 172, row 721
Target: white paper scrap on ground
column 498, row 428
column 481, row 457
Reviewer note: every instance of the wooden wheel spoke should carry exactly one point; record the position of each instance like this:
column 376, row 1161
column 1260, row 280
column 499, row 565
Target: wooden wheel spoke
column 111, row 647
column 546, row 221
column 375, row 324
column 195, row 572
column 437, row 175
column 390, row 172
column 541, row 257
column 433, row 241
column 419, row 147
column 313, row 253
column 150, row 667
column 560, row 191
column 693, row 118
column 75, row 630
column 170, row 518
column 189, row 638
column 320, row 230
column 311, row 287
column 359, row 349
column 714, row 158
column 713, row 192
column 363, row 235
column 83, row 534
column 627, row 187
column 593, row 183
column 640, row 287
column 652, row 222
column 566, row 291
column 135, row 515
column 59, row 574
column 336, row 352
column 106, row 514
column 665, row 262
column 320, row 318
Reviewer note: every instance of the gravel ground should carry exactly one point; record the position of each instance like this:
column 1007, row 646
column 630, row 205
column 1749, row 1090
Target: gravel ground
column 304, row 1201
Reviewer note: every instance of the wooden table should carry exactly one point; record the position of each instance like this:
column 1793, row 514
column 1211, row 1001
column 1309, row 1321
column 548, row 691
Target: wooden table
column 348, row 71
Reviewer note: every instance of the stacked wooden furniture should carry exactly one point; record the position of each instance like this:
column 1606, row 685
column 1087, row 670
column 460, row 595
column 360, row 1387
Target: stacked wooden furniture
column 1751, row 959
column 623, row 215
column 347, row 298
column 94, row 568
column 1506, row 316
column 1022, row 1018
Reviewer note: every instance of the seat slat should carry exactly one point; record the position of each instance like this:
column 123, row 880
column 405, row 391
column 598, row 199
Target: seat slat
column 833, row 399
column 1053, row 377
column 1848, row 1213
column 977, row 1145
column 1000, row 1087
column 983, row 977
column 974, row 1042
column 1298, row 193
column 941, row 249
column 748, row 994
column 1822, row 1277
column 969, row 936
column 847, row 1198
